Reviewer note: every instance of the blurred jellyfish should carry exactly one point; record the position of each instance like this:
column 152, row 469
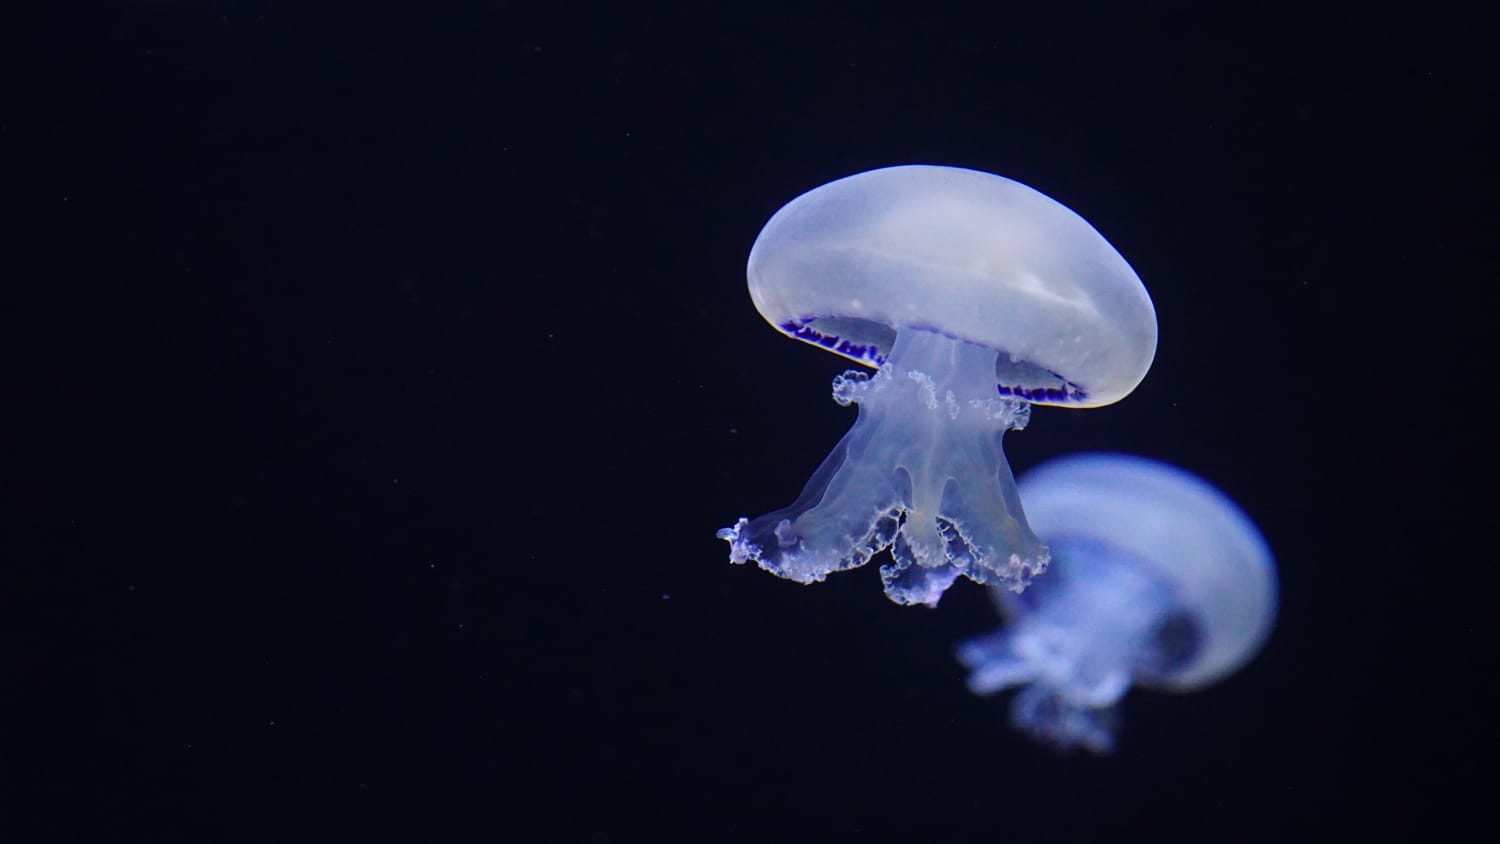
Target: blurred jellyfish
column 1157, row 580
column 974, row 297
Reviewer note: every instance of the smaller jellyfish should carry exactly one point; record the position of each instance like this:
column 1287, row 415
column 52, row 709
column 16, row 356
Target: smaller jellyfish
column 973, row 297
column 1157, row 580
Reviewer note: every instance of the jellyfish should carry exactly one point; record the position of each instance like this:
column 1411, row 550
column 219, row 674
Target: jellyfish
column 972, row 297
column 1157, row 580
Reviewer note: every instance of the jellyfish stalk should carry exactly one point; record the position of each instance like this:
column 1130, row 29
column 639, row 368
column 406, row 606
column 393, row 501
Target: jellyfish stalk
column 921, row 473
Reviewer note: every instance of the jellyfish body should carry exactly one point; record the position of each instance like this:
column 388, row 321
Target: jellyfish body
column 973, row 297
column 1157, row 580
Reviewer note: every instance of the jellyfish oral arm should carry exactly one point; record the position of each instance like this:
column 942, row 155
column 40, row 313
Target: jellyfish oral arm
column 1075, row 644
column 921, row 473
column 1052, row 705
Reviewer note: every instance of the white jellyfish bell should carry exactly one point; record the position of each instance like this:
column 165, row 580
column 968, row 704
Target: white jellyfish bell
column 1157, row 580
column 974, row 297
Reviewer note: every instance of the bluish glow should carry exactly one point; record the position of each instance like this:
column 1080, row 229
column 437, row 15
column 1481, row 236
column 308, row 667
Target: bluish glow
column 975, row 297
column 1157, row 579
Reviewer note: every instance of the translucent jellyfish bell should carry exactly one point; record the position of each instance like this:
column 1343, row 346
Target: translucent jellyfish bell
column 974, row 296
column 1157, row 579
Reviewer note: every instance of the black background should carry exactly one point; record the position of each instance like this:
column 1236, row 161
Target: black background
column 387, row 368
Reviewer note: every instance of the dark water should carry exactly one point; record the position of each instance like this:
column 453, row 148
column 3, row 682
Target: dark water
column 392, row 368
